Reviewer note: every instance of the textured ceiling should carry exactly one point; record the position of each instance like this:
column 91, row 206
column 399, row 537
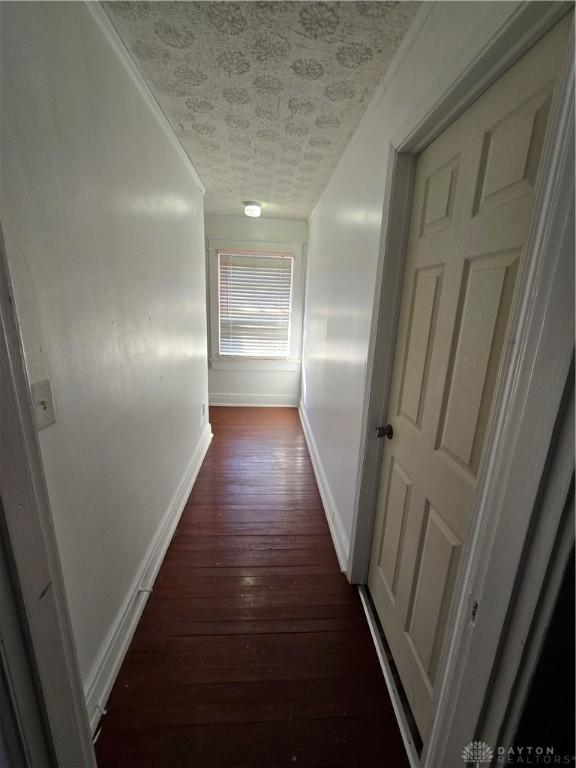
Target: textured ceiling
column 264, row 96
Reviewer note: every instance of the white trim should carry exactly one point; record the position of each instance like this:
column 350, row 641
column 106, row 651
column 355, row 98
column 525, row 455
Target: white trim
column 395, row 697
column 230, row 363
column 33, row 550
column 113, row 38
column 114, row 647
column 223, row 227
column 387, row 298
column 339, row 538
column 255, row 247
column 216, row 246
column 255, row 401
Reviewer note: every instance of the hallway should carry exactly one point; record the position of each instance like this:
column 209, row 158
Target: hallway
column 253, row 649
column 285, row 287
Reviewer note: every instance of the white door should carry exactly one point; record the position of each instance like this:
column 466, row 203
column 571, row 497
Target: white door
column 472, row 204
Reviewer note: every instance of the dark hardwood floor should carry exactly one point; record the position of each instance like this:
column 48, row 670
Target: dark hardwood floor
column 253, row 650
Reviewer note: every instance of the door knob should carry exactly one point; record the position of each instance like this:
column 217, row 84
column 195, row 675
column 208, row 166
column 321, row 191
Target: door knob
column 386, row 431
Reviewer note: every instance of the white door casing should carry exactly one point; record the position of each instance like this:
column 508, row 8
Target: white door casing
column 471, row 213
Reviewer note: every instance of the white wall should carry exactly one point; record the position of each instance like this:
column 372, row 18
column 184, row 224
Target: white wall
column 256, row 382
column 103, row 220
column 344, row 241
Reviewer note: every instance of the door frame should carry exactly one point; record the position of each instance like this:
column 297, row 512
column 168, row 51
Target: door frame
column 544, row 309
column 28, row 533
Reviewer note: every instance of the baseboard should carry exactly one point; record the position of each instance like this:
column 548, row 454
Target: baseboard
column 116, row 644
column 339, row 537
column 258, row 401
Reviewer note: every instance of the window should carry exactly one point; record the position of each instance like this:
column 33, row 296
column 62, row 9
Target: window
column 254, row 304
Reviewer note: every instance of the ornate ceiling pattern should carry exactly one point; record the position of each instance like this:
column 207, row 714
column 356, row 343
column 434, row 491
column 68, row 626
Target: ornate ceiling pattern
column 264, row 96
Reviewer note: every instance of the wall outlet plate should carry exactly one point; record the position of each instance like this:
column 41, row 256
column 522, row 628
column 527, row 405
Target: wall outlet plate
column 43, row 402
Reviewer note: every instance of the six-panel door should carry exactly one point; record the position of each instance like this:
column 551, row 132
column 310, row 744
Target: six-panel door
column 471, row 212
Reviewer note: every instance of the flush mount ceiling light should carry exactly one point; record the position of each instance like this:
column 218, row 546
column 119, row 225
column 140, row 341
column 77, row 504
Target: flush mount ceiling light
column 252, row 208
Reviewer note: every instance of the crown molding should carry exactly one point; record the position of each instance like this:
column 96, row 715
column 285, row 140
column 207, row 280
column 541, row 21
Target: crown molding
column 109, row 31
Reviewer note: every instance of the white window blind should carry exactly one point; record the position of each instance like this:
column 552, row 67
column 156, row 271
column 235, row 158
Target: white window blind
column 255, row 295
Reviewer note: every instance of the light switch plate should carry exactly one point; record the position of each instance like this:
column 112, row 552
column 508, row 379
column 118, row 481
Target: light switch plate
column 43, row 404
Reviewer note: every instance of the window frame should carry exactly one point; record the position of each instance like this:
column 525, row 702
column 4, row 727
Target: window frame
column 292, row 362
column 256, row 255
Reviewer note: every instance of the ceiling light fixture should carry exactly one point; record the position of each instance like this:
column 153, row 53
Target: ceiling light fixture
column 252, row 208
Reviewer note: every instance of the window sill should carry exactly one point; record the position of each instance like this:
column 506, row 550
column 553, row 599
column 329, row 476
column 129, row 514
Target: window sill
column 253, row 364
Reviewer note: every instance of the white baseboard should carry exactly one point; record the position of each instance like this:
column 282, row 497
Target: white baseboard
column 259, row 401
column 116, row 644
column 339, row 537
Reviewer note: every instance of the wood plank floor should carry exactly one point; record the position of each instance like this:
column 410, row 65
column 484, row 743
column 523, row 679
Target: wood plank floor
column 253, row 650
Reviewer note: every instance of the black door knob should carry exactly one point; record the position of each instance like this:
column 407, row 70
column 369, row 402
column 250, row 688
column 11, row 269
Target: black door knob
column 386, row 431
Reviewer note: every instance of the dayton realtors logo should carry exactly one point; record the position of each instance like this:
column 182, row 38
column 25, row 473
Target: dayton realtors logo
column 478, row 753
